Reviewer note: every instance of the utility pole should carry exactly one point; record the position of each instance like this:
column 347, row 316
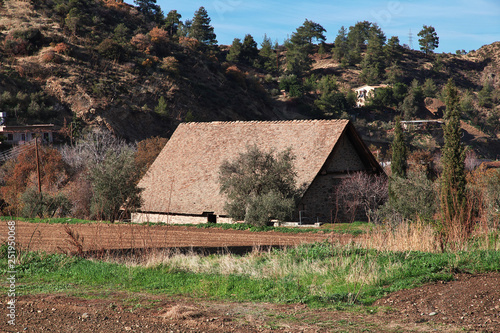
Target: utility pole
column 38, row 165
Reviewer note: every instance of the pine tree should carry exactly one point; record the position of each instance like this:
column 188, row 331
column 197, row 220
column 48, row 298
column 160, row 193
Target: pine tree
column 201, row 29
column 300, row 46
column 399, row 153
column 356, row 39
column 172, row 22
column 249, row 51
column 267, row 55
column 429, row 39
column 150, row 10
column 453, row 178
column 373, row 63
column 341, row 48
column 234, row 53
column 393, row 50
column 162, row 107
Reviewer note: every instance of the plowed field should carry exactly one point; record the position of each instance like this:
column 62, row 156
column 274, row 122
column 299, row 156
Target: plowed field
column 99, row 236
column 471, row 303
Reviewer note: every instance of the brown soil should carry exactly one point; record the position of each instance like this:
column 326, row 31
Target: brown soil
column 470, row 303
column 99, row 236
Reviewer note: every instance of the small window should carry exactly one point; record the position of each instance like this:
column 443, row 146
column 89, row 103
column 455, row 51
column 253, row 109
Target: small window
column 10, row 137
column 23, row 137
column 46, row 137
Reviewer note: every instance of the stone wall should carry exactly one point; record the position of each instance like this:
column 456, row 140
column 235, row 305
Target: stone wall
column 319, row 203
column 344, row 158
column 174, row 219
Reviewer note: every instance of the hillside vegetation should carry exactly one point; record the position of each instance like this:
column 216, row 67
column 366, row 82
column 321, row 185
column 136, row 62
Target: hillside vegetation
column 139, row 73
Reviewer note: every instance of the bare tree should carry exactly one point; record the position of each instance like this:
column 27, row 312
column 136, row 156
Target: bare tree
column 471, row 160
column 93, row 148
column 361, row 193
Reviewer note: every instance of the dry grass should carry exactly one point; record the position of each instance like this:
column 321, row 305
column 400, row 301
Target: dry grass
column 177, row 312
column 343, row 268
column 422, row 236
column 417, row 236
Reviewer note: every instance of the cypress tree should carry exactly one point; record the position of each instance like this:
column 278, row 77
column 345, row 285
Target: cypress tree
column 399, row 153
column 453, row 178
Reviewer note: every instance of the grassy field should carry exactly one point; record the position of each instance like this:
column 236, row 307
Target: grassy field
column 325, row 274
column 316, row 274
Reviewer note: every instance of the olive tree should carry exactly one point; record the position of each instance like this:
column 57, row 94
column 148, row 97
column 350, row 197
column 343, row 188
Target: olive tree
column 114, row 185
column 259, row 185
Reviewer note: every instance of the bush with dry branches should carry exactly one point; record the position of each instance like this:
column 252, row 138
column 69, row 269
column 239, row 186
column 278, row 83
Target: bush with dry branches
column 360, row 194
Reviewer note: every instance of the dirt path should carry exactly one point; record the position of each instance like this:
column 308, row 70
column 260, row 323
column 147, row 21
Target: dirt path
column 469, row 304
column 99, row 236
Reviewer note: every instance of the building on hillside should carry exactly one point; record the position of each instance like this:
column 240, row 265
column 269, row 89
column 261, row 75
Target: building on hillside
column 365, row 92
column 413, row 125
column 20, row 134
column 182, row 185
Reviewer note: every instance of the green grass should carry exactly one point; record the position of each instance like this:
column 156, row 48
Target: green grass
column 355, row 228
column 317, row 274
column 245, row 226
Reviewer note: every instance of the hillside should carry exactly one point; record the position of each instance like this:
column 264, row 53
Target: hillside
column 103, row 63
column 120, row 95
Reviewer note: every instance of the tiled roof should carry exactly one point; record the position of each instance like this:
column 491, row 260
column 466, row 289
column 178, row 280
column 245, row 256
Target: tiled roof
column 184, row 177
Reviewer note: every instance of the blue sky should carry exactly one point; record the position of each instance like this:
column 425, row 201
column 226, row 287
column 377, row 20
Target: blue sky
column 459, row 24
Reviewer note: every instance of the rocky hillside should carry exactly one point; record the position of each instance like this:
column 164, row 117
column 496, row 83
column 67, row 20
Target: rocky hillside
column 102, row 63
column 76, row 73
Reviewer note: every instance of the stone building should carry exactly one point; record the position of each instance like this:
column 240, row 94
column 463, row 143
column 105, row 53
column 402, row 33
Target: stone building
column 182, row 184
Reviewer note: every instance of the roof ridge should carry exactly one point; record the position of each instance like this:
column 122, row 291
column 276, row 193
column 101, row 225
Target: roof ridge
column 263, row 121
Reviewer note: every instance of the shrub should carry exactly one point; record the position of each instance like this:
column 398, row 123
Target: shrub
column 44, row 205
column 114, row 185
column 147, row 151
column 62, row 48
column 170, row 64
column 51, row 57
column 23, row 42
column 412, row 198
column 268, row 206
column 142, row 42
column 110, row 49
column 361, row 193
column 189, row 43
column 291, row 84
column 158, row 35
column 235, row 74
column 259, row 186
column 20, row 174
column 15, row 46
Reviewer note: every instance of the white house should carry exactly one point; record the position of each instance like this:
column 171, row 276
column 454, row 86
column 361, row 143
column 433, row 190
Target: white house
column 20, row 134
column 364, row 92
